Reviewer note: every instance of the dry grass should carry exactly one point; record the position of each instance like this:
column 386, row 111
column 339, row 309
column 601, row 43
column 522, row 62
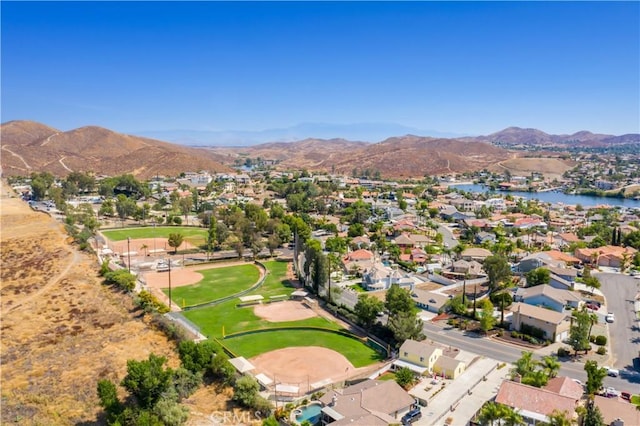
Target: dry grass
column 550, row 167
column 62, row 330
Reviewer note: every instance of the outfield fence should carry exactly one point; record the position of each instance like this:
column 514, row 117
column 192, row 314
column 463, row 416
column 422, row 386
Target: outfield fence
column 341, row 332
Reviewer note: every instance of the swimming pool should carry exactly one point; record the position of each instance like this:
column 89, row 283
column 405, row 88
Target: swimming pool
column 310, row 412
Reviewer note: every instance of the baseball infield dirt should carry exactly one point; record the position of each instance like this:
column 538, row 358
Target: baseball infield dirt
column 287, row 310
column 304, row 366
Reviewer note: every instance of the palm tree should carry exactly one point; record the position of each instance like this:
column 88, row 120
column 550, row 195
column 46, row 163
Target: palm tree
column 144, row 247
column 511, row 417
column 523, row 366
column 550, row 365
column 559, row 418
column 490, row 412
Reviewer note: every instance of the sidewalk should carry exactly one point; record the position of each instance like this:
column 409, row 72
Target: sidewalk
column 465, row 395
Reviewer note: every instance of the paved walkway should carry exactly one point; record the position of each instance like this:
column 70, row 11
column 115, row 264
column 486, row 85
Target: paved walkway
column 465, row 395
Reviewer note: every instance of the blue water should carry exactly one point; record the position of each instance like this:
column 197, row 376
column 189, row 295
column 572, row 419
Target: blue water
column 310, row 413
column 556, row 197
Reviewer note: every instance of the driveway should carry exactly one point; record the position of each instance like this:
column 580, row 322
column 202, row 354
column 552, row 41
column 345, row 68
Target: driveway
column 448, row 238
column 620, row 291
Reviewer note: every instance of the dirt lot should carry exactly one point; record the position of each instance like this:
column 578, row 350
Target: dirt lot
column 62, row 330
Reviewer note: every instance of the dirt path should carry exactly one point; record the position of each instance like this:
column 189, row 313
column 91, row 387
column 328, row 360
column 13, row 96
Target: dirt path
column 28, row 167
column 74, row 261
column 64, row 165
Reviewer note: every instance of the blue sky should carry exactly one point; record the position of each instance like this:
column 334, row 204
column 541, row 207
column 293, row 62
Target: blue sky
column 460, row 67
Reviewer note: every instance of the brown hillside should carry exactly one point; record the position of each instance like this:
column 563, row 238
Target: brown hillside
column 550, row 167
column 29, row 146
column 62, row 330
column 402, row 157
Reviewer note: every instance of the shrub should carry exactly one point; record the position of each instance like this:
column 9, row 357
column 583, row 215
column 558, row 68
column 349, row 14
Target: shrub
column 601, row 350
column 121, row 278
column 601, row 340
column 177, row 220
column 592, row 338
column 515, row 334
column 149, row 303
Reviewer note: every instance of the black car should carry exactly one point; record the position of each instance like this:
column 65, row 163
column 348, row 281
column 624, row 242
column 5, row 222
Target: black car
column 411, row 416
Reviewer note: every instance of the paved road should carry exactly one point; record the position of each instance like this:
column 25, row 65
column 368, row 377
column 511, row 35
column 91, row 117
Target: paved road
column 620, row 291
column 510, row 353
column 448, row 238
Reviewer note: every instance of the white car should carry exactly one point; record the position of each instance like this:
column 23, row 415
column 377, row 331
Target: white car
column 611, row 393
column 612, row 372
column 610, row 317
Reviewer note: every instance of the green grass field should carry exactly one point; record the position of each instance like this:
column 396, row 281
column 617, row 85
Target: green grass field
column 212, row 319
column 251, row 345
column 216, row 283
column 195, row 236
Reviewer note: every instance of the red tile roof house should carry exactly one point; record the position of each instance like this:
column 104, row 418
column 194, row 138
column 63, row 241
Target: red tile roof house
column 612, row 256
column 360, row 260
column 536, row 404
column 612, row 409
column 362, row 403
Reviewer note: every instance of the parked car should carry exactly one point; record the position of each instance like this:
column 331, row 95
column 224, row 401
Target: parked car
column 610, row 317
column 592, row 306
column 611, row 393
column 411, row 416
column 626, row 396
column 612, row 372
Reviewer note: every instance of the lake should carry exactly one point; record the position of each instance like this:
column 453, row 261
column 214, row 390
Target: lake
column 555, row 197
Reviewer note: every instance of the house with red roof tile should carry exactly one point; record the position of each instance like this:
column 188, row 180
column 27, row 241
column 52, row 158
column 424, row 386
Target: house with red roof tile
column 535, row 404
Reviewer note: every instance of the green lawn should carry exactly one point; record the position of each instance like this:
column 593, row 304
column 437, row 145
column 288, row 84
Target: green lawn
column 195, row 236
column 251, row 345
column 234, row 320
column 212, row 319
column 635, row 399
column 389, row 375
column 216, row 283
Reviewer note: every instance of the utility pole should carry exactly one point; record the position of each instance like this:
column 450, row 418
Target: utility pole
column 129, row 253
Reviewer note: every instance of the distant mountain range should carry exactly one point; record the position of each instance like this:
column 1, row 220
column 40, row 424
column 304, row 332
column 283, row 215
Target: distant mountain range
column 516, row 136
column 365, row 132
column 28, row 146
column 377, row 132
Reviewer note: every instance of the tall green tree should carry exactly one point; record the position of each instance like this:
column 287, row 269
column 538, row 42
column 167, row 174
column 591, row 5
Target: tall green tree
column 593, row 416
column 595, row 377
column 175, row 240
column 245, row 390
column 487, row 320
column 367, row 308
column 579, row 331
column 147, row 380
column 498, row 271
column 212, row 234
column 405, row 325
column 398, row 300
column 538, row 276
column 405, row 377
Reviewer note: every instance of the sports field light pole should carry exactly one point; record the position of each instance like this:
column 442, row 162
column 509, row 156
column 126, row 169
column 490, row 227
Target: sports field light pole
column 129, row 253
